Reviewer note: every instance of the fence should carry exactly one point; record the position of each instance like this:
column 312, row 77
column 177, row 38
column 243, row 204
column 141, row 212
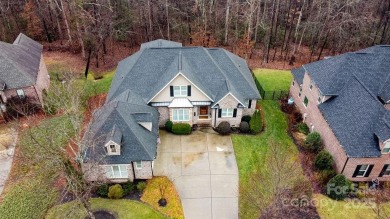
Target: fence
column 270, row 95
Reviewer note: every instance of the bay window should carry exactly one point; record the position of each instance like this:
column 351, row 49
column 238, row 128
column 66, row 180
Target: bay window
column 116, row 171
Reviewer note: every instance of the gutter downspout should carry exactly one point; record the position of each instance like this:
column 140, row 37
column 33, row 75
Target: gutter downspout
column 345, row 164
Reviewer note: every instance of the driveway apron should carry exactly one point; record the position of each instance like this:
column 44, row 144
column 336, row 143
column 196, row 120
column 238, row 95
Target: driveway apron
column 203, row 168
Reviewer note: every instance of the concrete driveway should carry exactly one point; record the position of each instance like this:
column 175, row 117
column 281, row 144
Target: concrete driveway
column 203, row 168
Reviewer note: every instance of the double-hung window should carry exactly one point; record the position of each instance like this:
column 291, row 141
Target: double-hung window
column 180, row 115
column 362, row 170
column 227, row 112
column 116, row 171
column 180, row 91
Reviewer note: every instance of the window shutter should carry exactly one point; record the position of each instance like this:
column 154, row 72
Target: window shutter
column 219, row 113
column 234, row 112
column 250, row 104
column 356, row 170
column 189, row 90
column 383, row 170
column 171, row 88
column 369, row 170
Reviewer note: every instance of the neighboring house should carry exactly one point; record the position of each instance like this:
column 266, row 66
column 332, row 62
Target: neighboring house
column 23, row 73
column 346, row 99
column 164, row 81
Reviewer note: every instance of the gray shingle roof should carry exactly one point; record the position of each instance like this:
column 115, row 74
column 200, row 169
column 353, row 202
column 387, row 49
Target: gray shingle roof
column 19, row 62
column 215, row 71
column 355, row 113
column 137, row 143
column 298, row 74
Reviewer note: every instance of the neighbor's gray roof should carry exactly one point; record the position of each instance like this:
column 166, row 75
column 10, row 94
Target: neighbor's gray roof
column 19, row 62
column 137, row 143
column 215, row 71
column 355, row 113
column 160, row 43
column 298, row 74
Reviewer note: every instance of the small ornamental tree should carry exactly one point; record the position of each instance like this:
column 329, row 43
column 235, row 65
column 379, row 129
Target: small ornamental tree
column 313, row 142
column 256, row 123
column 324, row 161
column 115, row 192
column 338, row 187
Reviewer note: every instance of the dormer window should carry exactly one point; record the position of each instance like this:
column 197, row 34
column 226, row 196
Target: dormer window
column 386, row 148
column 112, row 148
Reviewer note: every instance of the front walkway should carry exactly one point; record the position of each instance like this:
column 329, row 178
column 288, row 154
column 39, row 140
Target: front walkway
column 203, row 168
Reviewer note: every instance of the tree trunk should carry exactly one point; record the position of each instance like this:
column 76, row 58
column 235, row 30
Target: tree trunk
column 227, row 21
column 88, row 63
column 66, row 22
column 167, row 15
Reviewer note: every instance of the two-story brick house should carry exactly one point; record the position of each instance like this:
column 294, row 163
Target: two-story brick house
column 346, row 99
column 164, row 81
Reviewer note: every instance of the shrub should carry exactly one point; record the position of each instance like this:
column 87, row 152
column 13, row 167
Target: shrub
column 324, row 161
column 128, row 188
column 115, row 192
column 244, row 127
column 246, row 118
column 181, row 128
column 303, row 128
column 313, row 142
column 168, row 125
column 102, row 190
column 141, row 186
column 338, row 187
column 285, row 107
column 224, row 128
column 256, row 123
column 326, row 175
column 296, row 118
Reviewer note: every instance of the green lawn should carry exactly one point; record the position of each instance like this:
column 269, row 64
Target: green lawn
column 273, row 80
column 331, row 209
column 124, row 209
column 252, row 151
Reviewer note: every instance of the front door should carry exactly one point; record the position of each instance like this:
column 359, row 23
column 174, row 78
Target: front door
column 203, row 112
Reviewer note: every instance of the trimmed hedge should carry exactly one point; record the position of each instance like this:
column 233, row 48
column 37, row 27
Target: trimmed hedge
column 303, row 128
column 115, row 192
column 224, row 128
column 313, row 142
column 141, row 186
column 256, row 123
column 181, row 128
column 244, row 127
column 168, row 125
column 338, row 187
column 324, row 161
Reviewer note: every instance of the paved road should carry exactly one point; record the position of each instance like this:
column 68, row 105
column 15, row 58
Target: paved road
column 204, row 170
column 6, row 157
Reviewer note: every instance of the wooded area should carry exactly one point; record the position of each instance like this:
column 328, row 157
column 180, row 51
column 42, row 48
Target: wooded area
column 266, row 30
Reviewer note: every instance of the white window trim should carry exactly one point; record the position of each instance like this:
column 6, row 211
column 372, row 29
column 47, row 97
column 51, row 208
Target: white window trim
column 120, row 171
column 175, row 111
column 365, row 171
column 228, row 112
column 20, row 93
column 180, row 90
column 136, row 165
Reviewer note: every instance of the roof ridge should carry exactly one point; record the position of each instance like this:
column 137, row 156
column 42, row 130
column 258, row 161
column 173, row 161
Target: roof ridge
column 215, row 63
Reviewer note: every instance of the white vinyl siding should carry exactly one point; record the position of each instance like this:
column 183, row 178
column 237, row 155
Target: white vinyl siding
column 227, row 112
column 180, row 91
column 116, row 171
column 180, row 115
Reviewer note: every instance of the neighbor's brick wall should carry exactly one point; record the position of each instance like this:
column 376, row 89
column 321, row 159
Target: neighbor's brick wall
column 145, row 172
column 315, row 118
column 29, row 92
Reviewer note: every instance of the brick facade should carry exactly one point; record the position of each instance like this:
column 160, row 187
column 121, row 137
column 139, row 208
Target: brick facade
column 316, row 122
column 145, row 172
